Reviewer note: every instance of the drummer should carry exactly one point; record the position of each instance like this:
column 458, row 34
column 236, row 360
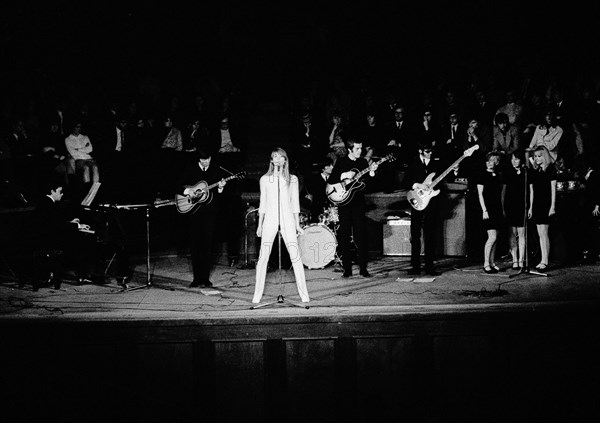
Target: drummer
column 314, row 191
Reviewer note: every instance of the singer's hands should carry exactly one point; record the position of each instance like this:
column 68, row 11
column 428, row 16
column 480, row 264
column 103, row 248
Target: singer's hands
column 299, row 230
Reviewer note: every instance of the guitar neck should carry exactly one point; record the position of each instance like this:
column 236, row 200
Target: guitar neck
column 217, row 183
column 447, row 171
column 362, row 172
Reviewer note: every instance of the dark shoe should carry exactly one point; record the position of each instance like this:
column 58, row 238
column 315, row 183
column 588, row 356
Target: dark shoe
column 194, row 284
column 207, row 284
column 432, row 272
column 489, row 270
column 347, row 274
column 365, row 273
column 57, row 284
column 414, row 271
column 82, row 281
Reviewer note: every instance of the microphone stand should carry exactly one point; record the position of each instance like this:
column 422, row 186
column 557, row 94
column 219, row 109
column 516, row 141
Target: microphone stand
column 280, row 297
column 525, row 269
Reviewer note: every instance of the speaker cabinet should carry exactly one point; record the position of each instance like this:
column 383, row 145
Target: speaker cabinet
column 396, row 238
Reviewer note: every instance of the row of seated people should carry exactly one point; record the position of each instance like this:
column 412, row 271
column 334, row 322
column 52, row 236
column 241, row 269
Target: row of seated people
column 450, row 139
column 119, row 152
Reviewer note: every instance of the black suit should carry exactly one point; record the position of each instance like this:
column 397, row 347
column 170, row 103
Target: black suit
column 203, row 222
column 424, row 220
column 451, row 150
column 352, row 216
column 308, row 148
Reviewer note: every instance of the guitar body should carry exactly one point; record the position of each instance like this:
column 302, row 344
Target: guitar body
column 420, row 196
column 189, row 204
column 343, row 192
column 202, row 194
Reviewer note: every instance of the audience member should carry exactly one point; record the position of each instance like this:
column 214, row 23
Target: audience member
column 507, row 137
column 81, row 163
column 547, row 134
column 512, row 109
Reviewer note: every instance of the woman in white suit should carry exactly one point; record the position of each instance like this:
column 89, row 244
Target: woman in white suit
column 278, row 184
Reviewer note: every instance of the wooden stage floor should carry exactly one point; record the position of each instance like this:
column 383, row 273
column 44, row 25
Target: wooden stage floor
column 461, row 286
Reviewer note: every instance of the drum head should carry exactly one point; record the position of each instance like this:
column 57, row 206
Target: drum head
column 317, row 246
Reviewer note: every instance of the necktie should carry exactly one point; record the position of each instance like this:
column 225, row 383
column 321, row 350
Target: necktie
column 453, row 131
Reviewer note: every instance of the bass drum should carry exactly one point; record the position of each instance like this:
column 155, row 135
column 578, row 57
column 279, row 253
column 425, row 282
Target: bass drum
column 317, row 246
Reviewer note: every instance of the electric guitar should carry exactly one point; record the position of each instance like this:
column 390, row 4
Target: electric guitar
column 343, row 191
column 201, row 194
column 419, row 196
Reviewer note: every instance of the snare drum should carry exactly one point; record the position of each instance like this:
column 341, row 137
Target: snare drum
column 317, row 246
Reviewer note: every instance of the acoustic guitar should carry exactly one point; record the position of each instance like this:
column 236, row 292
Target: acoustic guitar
column 419, row 196
column 342, row 192
column 201, row 194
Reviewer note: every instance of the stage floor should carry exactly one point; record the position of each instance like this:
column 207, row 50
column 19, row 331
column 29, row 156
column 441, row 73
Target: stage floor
column 460, row 287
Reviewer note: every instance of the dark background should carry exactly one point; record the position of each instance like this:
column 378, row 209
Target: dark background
column 101, row 47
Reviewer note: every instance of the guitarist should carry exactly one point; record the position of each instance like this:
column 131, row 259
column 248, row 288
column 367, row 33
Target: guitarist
column 203, row 222
column 426, row 220
column 352, row 214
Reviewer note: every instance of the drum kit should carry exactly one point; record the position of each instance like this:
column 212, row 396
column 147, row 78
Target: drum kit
column 318, row 243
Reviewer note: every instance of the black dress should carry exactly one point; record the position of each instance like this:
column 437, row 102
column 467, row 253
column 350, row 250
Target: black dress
column 514, row 200
column 542, row 193
column 492, row 195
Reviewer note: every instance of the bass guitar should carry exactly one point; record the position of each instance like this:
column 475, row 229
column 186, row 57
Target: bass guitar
column 342, row 192
column 200, row 194
column 420, row 195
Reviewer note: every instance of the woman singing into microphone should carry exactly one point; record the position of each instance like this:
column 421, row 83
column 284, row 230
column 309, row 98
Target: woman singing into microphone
column 279, row 207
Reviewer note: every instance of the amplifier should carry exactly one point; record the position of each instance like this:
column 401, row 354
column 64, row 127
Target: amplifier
column 396, row 238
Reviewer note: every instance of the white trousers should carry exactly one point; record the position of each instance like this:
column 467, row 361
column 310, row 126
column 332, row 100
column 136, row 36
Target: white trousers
column 291, row 243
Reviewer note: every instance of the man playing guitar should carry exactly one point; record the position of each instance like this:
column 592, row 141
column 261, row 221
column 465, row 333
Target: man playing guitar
column 203, row 222
column 424, row 218
column 352, row 213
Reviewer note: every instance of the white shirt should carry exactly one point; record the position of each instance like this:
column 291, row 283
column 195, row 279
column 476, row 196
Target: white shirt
column 79, row 146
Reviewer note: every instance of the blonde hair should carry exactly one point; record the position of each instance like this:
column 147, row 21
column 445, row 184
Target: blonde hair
column 285, row 171
column 545, row 154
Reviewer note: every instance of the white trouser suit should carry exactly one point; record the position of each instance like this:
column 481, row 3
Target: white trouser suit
column 289, row 204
